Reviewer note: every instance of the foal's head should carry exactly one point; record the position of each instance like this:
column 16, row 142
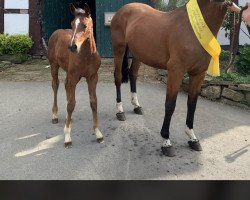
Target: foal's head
column 82, row 27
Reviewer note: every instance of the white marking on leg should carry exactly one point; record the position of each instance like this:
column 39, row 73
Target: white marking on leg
column 166, row 143
column 54, row 116
column 98, row 134
column 134, row 100
column 190, row 134
column 67, row 132
column 119, row 107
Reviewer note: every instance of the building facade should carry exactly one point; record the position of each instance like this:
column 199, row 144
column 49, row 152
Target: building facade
column 40, row 18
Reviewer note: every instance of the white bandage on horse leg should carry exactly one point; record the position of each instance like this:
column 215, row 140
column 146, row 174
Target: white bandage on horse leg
column 190, row 133
column 119, row 107
column 67, row 132
column 166, row 143
column 98, row 134
column 134, row 100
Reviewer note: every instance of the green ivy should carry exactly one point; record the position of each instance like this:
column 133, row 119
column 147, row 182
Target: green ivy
column 234, row 77
column 224, row 56
column 15, row 44
column 168, row 6
column 242, row 61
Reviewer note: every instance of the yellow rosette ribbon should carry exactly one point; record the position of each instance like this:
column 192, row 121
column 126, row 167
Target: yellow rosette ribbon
column 205, row 36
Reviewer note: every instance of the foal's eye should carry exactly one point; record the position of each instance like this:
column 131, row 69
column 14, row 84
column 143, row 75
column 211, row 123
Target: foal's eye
column 84, row 26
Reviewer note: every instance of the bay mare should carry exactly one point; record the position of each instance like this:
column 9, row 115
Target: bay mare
column 163, row 40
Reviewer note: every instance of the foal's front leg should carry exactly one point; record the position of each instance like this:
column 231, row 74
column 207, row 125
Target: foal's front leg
column 92, row 82
column 70, row 86
column 55, row 85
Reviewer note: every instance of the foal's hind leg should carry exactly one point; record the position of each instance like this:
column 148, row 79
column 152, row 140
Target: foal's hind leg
column 173, row 84
column 70, row 86
column 119, row 51
column 92, row 81
column 133, row 74
column 55, row 85
column 193, row 92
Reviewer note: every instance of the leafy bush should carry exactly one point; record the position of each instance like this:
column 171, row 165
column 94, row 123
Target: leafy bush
column 18, row 44
column 15, row 44
column 224, row 56
column 242, row 61
column 2, row 39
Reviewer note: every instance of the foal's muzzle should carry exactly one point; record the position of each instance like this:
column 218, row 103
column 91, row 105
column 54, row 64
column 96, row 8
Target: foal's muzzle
column 72, row 47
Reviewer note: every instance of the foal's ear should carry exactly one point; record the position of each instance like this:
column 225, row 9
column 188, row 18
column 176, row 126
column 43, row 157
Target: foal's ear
column 72, row 8
column 87, row 9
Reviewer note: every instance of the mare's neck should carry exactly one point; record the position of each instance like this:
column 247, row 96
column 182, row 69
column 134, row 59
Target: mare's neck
column 213, row 14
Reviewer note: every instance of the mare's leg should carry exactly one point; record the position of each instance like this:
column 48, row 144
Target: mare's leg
column 119, row 51
column 70, row 86
column 193, row 92
column 133, row 74
column 173, row 84
column 92, row 81
column 55, row 85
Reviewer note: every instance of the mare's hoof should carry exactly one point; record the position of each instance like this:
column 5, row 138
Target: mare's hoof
column 68, row 145
column 168, row 151
column 195, row 145
column 100, row 140
column 138, row 111
column 55, row 121
column 121, row 116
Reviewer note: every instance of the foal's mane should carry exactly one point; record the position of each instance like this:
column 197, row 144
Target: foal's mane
column 80, row 12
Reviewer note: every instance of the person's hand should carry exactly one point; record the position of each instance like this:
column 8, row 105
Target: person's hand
column 246, row 15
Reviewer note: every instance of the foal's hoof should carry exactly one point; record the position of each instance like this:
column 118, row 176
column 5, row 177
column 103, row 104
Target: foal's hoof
column 168, row 151
column 121, row 116
column 55, row 121
column 68, row 145
column 195, row 145
column 100, row 140
column 138, row 110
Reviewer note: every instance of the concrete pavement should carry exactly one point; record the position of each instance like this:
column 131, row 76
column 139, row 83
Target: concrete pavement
column 32, row 148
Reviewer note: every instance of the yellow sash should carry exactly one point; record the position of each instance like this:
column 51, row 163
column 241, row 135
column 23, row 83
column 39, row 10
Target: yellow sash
column 205, row 36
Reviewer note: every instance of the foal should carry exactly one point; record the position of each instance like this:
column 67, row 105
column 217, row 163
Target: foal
column 164, row 40
column 75, row 52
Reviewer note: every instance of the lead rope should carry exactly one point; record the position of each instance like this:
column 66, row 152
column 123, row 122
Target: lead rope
column 236, row 35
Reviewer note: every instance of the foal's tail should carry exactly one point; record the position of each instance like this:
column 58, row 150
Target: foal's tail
column 125, row 72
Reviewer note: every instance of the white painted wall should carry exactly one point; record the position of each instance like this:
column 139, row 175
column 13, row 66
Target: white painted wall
column 16, row 23
column 16, row 4
column 243, row 39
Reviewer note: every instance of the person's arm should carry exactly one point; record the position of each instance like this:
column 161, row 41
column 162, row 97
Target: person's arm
column 246, row 14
